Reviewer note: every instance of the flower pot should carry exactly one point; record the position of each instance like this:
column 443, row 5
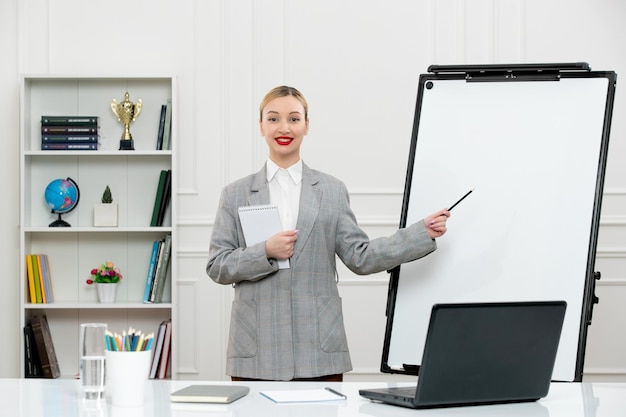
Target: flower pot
column 106, row 292
column 105, row 215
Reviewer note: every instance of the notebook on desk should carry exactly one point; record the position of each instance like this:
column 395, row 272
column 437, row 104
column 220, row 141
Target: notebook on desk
column 216, row 394
column 483, row 353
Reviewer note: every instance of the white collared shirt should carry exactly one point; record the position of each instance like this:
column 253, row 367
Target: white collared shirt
column 285, row 186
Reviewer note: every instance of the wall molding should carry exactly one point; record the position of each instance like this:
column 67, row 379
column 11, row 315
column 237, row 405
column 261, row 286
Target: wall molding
column 201, row 221
column 601, row 371
column 619, row 191
column 609, row 253
column 613, row 221
column 613, row 282
column 373, row 192
column 188, row 328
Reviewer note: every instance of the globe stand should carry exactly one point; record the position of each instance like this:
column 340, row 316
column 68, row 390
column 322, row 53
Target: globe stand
column 59, row 223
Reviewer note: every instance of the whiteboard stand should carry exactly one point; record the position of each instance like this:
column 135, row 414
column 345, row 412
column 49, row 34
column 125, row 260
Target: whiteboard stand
column 532, row 141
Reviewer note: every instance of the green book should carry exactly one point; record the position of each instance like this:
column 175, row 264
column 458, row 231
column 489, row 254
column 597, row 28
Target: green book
column 38, row 293
column 69, row 120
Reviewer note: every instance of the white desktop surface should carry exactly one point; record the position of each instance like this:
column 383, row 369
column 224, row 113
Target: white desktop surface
column 60, row 397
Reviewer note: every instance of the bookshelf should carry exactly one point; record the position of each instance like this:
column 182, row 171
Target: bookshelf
column 132, row 176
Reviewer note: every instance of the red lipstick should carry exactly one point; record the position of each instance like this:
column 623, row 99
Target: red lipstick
column 283, row 140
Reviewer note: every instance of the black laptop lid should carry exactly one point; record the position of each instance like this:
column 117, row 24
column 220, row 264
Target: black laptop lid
column 485, row 353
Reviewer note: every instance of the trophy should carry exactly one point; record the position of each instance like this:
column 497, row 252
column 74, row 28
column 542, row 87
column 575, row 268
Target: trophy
column 126, row 112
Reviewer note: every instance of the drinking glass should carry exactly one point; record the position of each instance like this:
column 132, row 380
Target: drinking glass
column 92, row 348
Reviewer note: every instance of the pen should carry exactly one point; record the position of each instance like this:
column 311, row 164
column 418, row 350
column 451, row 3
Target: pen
column 461, row 199
column 336, row 392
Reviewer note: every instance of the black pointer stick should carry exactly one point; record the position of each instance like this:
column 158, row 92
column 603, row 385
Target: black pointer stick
column 461, row 199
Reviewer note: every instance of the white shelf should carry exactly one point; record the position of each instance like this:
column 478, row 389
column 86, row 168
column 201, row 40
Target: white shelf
column 99, row 153
column 132, row 176
column 122, row 229
column 65, row 305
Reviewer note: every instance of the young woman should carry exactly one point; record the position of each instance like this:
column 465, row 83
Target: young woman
column 287, row 323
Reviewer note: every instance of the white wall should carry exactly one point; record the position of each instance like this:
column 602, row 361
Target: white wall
column 357, row 61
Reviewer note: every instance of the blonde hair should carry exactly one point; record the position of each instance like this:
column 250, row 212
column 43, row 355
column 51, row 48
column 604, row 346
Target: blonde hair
column 283, row 91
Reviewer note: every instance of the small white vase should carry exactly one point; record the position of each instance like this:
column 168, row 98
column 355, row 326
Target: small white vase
column 106, row 292
column 105, row 215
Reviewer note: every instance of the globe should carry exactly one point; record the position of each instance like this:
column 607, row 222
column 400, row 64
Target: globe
column 61, row 196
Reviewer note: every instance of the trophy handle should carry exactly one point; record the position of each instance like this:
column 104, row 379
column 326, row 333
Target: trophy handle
column 138, row 107
column 114, row 108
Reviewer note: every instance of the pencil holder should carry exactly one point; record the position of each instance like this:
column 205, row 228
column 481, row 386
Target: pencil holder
column 126, row 377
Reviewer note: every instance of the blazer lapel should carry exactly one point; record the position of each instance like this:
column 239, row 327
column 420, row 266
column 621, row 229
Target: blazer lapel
column 310, row 198
column 259, row 191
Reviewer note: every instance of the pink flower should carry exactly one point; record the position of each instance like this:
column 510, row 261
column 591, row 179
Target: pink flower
column 105, row 273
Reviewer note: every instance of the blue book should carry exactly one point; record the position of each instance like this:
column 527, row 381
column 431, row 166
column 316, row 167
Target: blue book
column 151, row 269
column 47, row 282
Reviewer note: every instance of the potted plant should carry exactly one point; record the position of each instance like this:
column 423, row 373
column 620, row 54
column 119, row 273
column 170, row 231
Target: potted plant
column 106, row 213
column 106, row 277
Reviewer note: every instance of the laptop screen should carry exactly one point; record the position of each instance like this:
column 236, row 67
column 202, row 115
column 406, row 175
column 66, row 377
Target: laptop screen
column 489, row 352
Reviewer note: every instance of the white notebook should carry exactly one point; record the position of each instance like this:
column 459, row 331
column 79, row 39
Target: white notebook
column 303, row 395
column 260, row 223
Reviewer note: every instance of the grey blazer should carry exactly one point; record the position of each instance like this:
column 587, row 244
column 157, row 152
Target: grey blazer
column 288, row 323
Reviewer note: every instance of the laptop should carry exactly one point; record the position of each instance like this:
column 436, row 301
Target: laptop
column 483, row 353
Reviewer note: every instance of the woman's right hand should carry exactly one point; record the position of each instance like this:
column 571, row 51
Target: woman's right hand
column 280, row 246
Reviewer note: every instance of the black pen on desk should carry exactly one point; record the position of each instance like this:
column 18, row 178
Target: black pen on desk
column 461, row 199
column 336, row 392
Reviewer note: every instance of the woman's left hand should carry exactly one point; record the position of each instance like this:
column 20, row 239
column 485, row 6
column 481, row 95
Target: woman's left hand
column 436, row 223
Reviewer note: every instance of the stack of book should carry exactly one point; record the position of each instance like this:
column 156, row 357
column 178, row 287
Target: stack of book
column 39, row 279
column 162, row 197
column 157, row 270
column 39, row 353
column 160, row 367
column 63, row 133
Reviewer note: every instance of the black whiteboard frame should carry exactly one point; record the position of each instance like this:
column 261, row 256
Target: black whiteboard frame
column 512, row 73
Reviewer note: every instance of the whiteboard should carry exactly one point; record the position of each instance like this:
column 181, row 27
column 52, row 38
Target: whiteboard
column 534, row 152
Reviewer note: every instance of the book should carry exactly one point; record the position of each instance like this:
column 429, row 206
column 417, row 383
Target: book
column 165, row 198
column 38, row 287
column 167, row 130
column 72, row 138
column 45, row 346
column 165, row 353
column 157, row 269
column 260, row 223
column 158, row 197
column 161, row 272
column 159, row 142
column 31, row 280
column 151, row 269
column 45, row 267
column 69, row 130
column 67, row 146
column 158, row 347
column 42, row 280
column 32, row 364
column 69, row 120
column 220, row 394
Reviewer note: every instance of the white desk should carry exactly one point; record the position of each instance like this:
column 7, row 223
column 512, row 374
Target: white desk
column 60, row 397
